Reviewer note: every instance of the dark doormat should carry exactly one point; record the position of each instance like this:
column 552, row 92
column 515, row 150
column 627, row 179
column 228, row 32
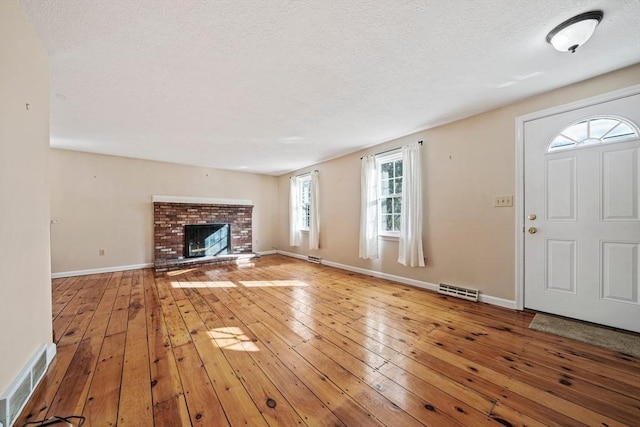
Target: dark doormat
column 623, row 342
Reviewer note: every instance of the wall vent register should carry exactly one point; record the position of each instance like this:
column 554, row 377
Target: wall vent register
column 458, row 292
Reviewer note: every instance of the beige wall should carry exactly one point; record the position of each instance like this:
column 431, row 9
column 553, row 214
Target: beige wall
column 104, row 202
column 25, row 285
column 467, row 241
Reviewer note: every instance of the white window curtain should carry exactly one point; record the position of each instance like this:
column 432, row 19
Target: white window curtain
column 368, row 208
column 294, row 212
column 314, row 217
column 410, row 246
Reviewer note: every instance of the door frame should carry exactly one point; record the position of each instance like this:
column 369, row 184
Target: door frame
column 519, row 196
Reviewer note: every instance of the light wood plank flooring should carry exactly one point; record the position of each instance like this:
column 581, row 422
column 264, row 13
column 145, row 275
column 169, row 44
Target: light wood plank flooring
column 284, row 342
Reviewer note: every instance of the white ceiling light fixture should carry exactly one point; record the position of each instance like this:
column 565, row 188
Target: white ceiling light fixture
column 574, row 32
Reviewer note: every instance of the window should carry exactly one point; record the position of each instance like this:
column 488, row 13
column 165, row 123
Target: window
column 595, row 130
column 305, row 202
column 390, row 193
column 304, row 209
column 391, row 203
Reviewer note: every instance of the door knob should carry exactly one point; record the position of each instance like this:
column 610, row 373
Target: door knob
column 532, row 230
column 532, row 217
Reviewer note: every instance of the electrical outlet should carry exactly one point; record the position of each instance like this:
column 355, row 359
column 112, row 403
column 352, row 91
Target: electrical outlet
column 101, row 252
column 502, row 201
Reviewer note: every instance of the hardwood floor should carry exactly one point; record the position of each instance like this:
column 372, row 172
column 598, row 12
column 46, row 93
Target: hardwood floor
column 284, row 342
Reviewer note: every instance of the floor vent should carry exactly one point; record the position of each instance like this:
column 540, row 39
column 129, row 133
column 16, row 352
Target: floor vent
column 39, row 367
column 314, row 259
column 19, row 392
column 456, row 291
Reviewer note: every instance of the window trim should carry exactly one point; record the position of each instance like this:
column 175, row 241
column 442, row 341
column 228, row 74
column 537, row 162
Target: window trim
column 391, row 156
column 594, row 141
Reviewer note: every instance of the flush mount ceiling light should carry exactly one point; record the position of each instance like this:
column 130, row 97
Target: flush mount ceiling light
column 574, row 32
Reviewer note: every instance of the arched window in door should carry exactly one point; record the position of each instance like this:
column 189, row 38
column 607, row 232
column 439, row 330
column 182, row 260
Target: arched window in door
column 594, row 130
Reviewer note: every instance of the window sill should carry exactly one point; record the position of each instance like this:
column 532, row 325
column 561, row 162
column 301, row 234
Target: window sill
column 304, row 231
column 389, row 237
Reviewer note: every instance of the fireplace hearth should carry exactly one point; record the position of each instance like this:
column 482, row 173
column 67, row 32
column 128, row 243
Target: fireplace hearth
column 228, row 240
column 206, row 240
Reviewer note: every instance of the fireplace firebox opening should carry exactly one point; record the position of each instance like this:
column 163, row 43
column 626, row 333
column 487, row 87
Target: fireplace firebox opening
column 207, row 240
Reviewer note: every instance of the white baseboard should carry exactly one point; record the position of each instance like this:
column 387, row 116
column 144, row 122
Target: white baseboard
column 417, row 283
column 501, row 302
column 100, row 270
column 271, row 252
column 15, row 397
column 291, row 254
column 120, row 268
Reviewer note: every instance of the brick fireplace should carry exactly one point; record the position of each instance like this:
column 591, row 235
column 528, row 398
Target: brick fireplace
column 171, row 214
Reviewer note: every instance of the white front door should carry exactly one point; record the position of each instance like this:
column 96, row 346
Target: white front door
column 582, row 216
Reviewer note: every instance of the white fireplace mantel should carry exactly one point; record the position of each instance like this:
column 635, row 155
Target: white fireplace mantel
column 200, row 200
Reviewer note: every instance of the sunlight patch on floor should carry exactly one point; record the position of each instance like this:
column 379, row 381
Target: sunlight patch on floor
column 272, row 283
column 179, row 272
column 232, row 338
column 221, row 284
column 245, row 264
column 245, row 283
column 245, row 261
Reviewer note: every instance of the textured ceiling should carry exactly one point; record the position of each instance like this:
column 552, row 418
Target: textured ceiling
column 270, row 86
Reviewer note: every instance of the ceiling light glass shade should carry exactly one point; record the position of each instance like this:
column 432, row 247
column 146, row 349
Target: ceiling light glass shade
column 571, row 34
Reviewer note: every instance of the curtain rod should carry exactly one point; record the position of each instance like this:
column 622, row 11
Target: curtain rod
column 388, row 151
column 307, row 173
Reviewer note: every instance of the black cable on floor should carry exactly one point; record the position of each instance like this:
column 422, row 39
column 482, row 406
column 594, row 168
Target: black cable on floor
column 56, row 419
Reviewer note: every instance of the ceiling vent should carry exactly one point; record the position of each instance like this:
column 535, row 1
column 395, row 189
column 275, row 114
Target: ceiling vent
column 458, row 292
